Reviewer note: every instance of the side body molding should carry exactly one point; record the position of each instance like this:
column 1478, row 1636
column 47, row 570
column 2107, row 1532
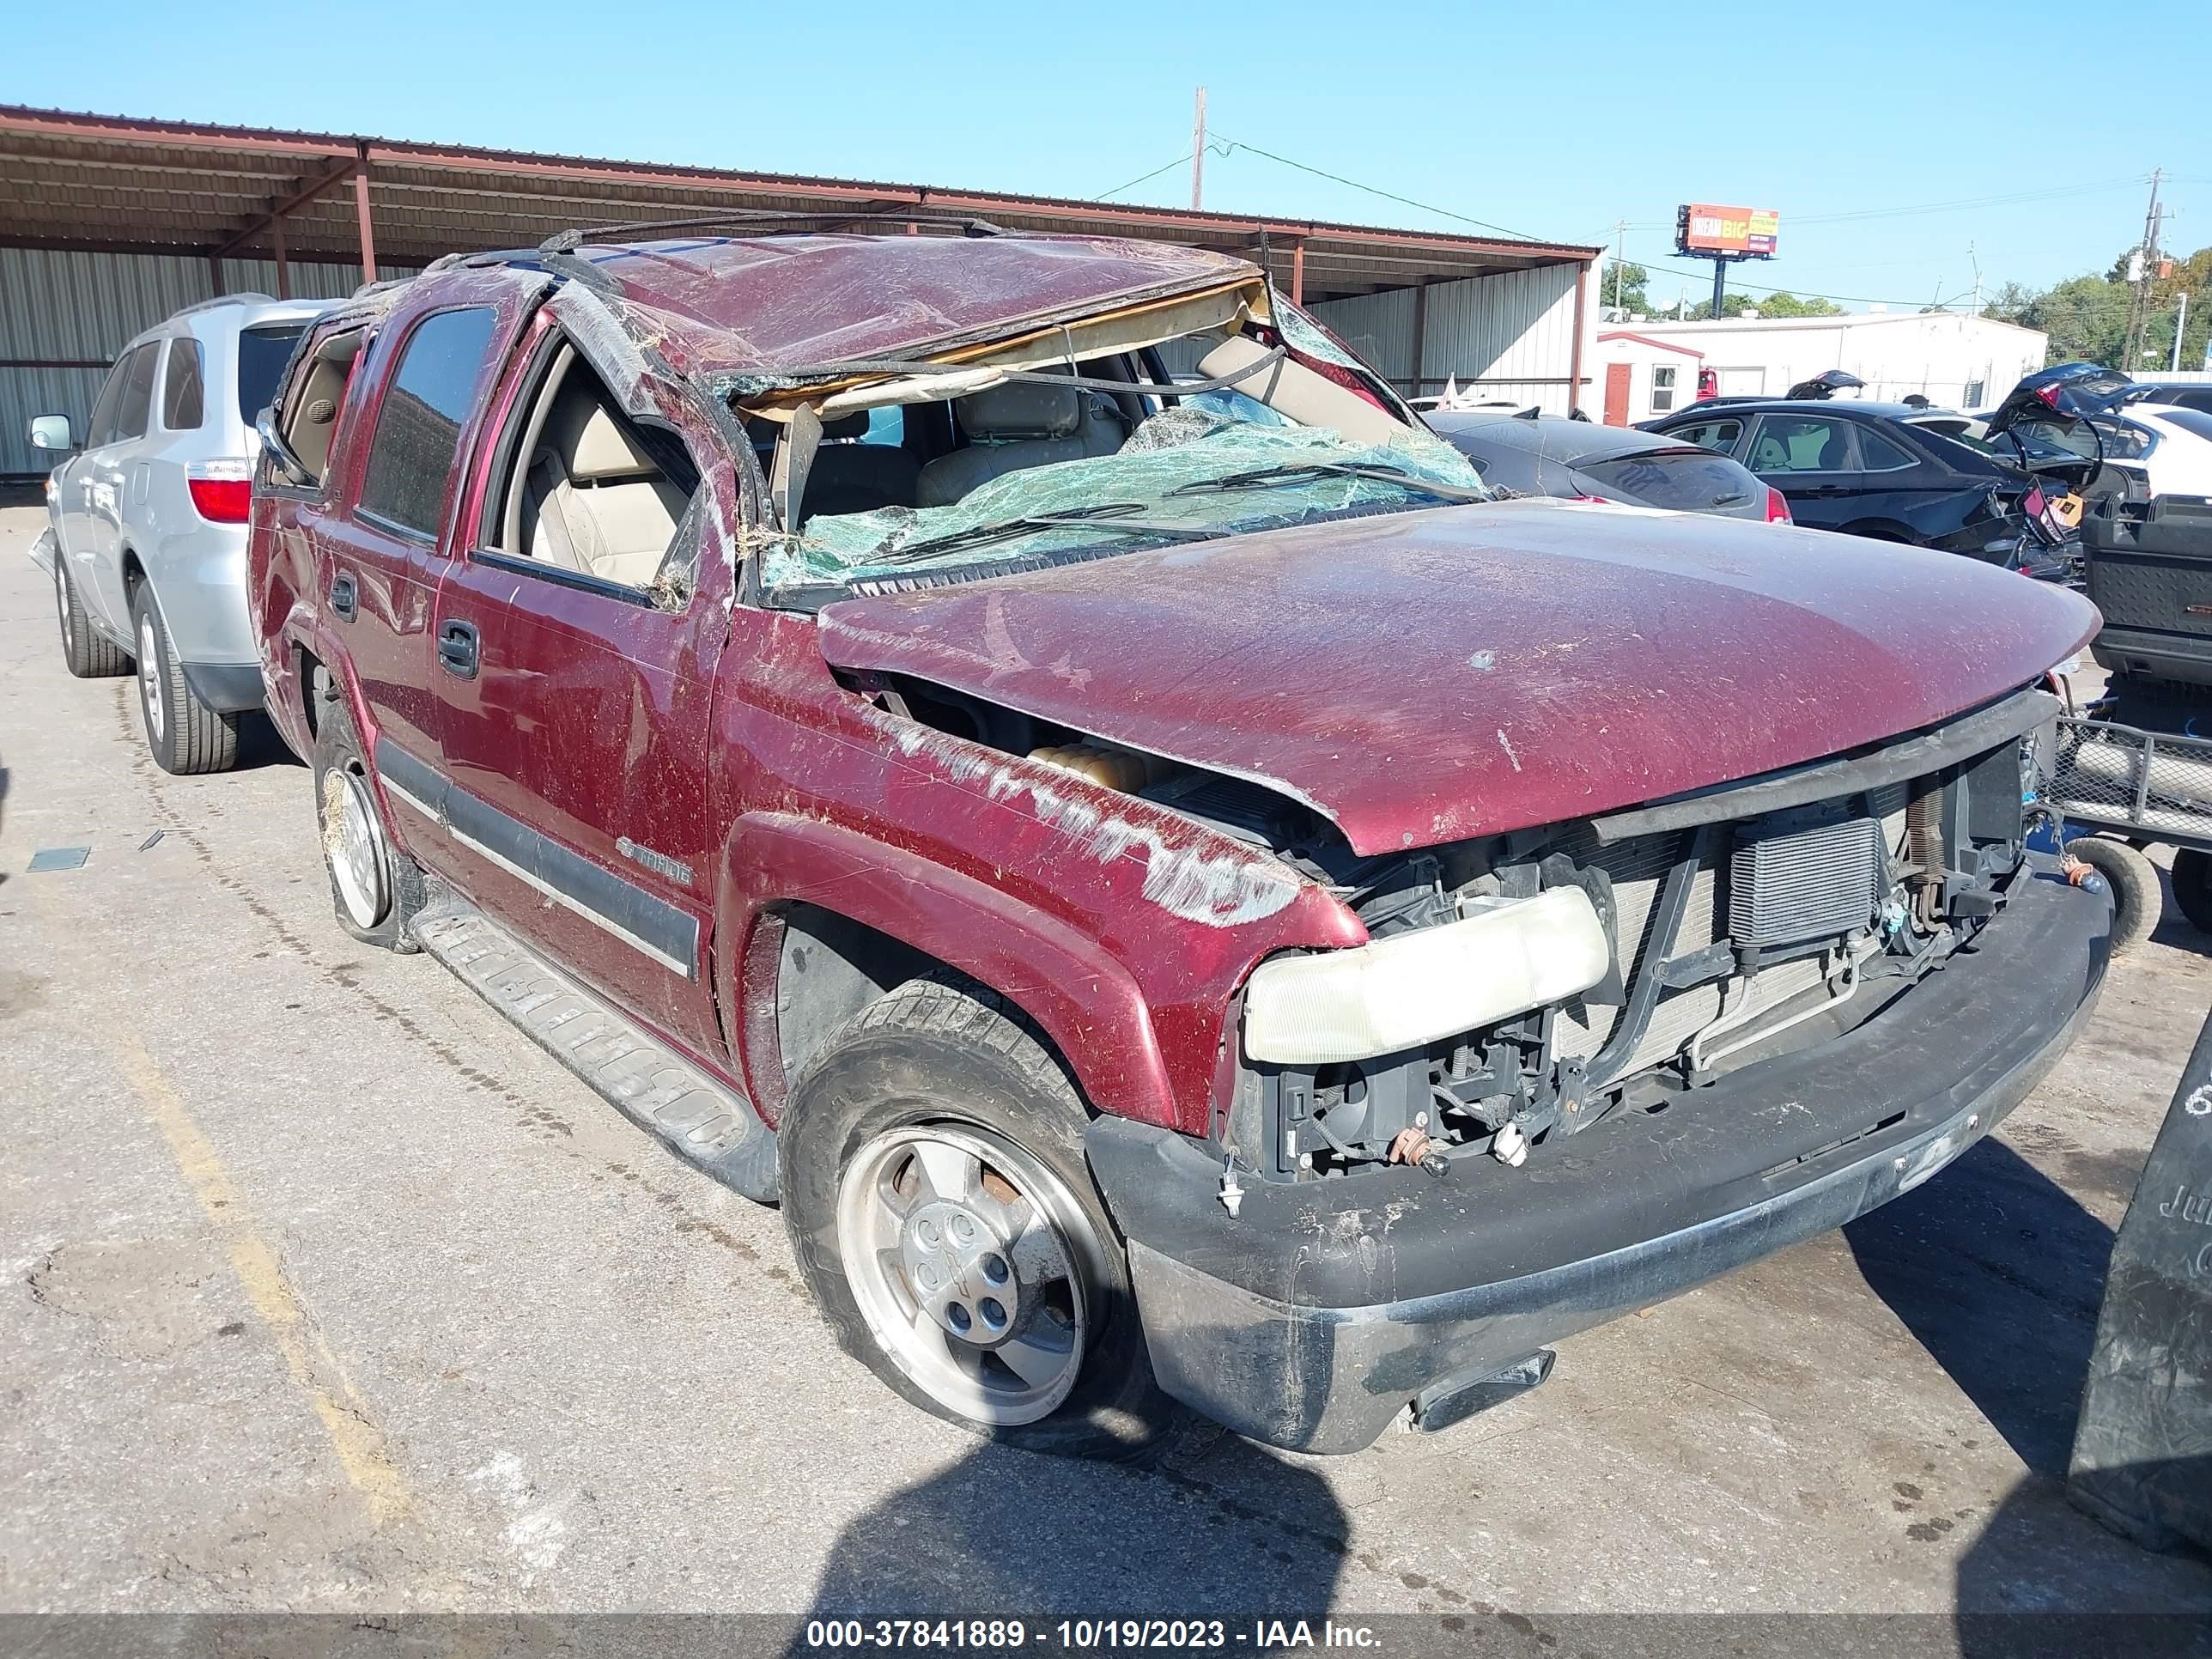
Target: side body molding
column 1084, row 1001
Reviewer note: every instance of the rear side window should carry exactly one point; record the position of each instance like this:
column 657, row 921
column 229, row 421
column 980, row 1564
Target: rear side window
column 184, row 389
column 2195, row 422
column 1686, row 480
column 1710, row 434
column 418, row 427
column 138, row 405
column 262, row 355
column 1878, row 454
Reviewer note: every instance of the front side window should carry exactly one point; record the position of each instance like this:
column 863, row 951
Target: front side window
column 1801, row 443
column 1719, row 435
column 591, row 493
column 418, row 427
column 1662, row 386
column 184, row 389
column 100, row 429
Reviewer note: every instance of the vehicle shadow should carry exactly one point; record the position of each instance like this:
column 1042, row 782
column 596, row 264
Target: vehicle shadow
column 1002, row 1532
column 260, row 744
column 1998, row 1272
column 2043, row 1581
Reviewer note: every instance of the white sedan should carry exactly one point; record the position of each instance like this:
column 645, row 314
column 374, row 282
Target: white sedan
column 2177, row 458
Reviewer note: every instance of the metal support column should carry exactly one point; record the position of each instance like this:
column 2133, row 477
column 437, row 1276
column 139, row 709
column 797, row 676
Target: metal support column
column 1420, row 337
column 360, row 212
column 1575, row 355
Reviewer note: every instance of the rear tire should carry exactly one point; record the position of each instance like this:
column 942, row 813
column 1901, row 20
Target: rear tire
column 87, row 654
column 376, row 889
column 2192, row 887
column 2138, row 898
column 184, row 734
column 937, row 1198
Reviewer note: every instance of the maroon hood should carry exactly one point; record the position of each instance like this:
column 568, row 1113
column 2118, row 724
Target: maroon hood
column 1426, row 676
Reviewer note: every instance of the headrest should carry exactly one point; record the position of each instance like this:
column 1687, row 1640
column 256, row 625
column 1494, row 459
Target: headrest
column 1021, row 409
column 603, row 451
column 854, row 425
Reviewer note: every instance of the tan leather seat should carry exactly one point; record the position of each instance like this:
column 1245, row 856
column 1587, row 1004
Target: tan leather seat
column 594, row 502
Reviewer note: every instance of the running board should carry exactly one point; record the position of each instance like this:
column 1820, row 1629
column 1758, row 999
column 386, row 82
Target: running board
column 702, row 1121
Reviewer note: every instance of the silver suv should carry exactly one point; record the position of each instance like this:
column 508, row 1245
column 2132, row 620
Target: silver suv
column 147, row 539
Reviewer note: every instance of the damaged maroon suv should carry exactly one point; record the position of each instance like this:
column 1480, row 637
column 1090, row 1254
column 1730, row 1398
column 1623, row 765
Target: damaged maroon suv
column 1025, row 752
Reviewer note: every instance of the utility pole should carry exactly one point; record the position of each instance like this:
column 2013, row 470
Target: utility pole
column 1197, row 155
column 2180, row 326
column 2145, row 274
column 1620, row 257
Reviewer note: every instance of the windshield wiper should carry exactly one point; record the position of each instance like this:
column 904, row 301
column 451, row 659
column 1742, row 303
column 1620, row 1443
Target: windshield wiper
column 1267, row 478
column 1106, row 515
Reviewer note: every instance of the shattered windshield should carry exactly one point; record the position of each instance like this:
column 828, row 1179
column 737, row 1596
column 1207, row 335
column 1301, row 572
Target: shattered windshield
column 1213, row 465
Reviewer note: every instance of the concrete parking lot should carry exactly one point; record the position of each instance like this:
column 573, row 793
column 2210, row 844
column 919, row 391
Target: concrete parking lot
column 325, row 1291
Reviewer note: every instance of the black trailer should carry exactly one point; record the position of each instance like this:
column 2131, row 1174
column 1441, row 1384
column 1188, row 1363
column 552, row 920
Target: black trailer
column 2138, row 787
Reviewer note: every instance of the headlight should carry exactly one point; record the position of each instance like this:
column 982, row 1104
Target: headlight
column 1509, row 957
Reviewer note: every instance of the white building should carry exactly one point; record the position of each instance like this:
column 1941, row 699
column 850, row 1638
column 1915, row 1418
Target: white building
column 1635, row 376
column 1954, row 360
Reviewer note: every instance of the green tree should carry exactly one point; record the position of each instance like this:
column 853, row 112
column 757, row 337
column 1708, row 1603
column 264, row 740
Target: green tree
column 2086, row 316
column 1789, row 305
column 1732, row 304
column 1624, row 286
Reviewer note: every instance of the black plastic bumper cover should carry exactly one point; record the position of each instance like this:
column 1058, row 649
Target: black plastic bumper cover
column 230, row 688
column 1309, row 1319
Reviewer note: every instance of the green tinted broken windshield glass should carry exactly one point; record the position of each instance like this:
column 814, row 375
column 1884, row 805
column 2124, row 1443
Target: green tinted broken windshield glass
column 1142, row 493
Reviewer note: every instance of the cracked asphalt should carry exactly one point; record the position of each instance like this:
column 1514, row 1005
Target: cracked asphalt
column 324, row 1289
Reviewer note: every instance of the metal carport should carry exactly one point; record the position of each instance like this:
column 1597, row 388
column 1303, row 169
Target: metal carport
column 107, row 223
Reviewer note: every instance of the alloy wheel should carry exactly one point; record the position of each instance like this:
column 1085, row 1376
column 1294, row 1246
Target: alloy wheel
column 353, row 844
column 150, row 688
column 956, row 1242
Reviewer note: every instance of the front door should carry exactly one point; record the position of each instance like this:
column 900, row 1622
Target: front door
column 1616, row 394
column 103, row 474
column 574, row 683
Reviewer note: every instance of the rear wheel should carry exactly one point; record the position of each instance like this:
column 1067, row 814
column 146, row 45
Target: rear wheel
column 184, row 734
column 2138, row 898
column 2192, row 887
column 375, row 888
column 87, row 654
column 936, row 1194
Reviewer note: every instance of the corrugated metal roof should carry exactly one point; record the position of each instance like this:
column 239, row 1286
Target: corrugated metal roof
column 89, row 181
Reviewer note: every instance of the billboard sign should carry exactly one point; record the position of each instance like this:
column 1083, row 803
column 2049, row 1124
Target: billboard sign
column 1702, row 229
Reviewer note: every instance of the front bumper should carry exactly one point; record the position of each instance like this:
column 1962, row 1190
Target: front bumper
column 1312, row 1318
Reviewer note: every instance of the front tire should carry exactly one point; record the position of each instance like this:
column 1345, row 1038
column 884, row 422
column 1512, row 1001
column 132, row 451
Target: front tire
column 86, row 654
column 184, row 734
column 376, row 889
column 937, row 1201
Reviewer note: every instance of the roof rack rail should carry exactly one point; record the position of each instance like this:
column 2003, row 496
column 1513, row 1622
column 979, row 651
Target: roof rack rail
column 251, row 297
column 568, row 241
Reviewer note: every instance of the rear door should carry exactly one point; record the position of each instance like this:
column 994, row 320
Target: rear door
column 574, row 683
column 411, row 409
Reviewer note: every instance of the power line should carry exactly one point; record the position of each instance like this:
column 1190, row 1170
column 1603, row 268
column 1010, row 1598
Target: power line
column 1227, row 145
column 1140, row 179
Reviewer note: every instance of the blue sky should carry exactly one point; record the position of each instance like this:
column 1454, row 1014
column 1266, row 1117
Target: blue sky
column 1550, row 121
